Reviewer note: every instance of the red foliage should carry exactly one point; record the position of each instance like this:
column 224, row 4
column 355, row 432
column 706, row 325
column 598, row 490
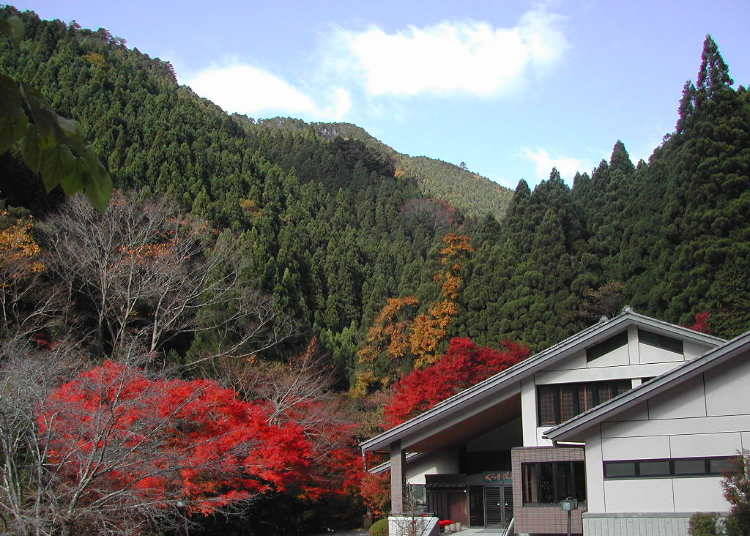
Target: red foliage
column 376, row 493
column 463, row 365
column 701, row 322
column 114, row 430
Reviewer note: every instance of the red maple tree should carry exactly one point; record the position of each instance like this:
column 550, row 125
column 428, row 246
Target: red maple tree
column 701, row 322
column 463, row 365
column 121, row 438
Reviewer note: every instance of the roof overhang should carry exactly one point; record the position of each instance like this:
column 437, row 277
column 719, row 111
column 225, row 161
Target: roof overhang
column 575, row 427
column 496, row 389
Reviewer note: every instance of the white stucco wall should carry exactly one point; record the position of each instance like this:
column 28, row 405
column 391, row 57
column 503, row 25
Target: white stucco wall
column 434, row 463
column 706, row 416
column 633, row 361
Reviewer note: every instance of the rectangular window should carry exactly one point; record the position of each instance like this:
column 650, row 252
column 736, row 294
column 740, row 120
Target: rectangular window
column 682, row 467
column 606, row 346
column 559, row 402
column 551, row 482
column 692, row 466
column 660, row 341
column 653, row 468
column 619, row 469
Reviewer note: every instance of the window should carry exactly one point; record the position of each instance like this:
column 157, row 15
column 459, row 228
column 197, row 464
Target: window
column 416, row 497
column 605, row 347
column 660, row 341
column 559, row 402
column 551, row 482
column 674, row 468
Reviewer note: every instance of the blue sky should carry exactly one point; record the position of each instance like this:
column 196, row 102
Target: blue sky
column 511, row 88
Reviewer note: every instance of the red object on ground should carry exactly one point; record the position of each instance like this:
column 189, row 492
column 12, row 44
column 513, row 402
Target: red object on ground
column 445, row 522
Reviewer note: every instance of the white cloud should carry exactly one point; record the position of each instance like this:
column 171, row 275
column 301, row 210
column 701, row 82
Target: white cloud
column 544, row 162
column 243, row 88
column 470, row 57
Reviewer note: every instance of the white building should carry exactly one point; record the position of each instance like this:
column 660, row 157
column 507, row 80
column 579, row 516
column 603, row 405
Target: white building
column 486, row 455
column 656, row 454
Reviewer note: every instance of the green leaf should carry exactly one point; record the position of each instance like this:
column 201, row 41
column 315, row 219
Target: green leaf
column 13, row 121
column 31, row 151
column 98, row 188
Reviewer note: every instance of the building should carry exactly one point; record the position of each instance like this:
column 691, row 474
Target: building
column 486, row 455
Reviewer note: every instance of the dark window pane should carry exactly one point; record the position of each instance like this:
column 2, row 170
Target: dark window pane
column 579, row 475
column 604, row 392
column 653, row 468
column 724, row 465
column 565, row 486
column 695, row 466
column 585, row 397
column 619, row 469
column 660, row 341
column 547, row 395
column 568, row 396
column 604, row 347
column 546, row 483
column 623, row 386
column 530, row 482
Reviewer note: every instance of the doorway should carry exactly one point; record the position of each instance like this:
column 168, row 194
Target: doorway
column 490, row 506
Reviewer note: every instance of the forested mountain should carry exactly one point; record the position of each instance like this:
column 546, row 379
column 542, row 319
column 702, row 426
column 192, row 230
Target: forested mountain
column 669, row 238
column 471, row 193
column 329, row 221
column 267, row 234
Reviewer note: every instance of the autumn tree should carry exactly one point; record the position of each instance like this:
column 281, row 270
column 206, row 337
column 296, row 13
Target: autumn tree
column 121, row 447
column 142, row 276
column 463, row 365
column 389, row 336
column 430, row 328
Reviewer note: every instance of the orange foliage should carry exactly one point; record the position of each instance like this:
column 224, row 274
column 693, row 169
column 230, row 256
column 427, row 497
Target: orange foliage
column 150, row 251
column 456, row 245
column 18, row 249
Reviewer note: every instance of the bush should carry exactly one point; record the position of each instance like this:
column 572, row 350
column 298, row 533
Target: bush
column 379, row 528
column 702, row 524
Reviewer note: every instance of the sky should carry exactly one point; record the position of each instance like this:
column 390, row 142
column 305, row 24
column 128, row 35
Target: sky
column 509, row 87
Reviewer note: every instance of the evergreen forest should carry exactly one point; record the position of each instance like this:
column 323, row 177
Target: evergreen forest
column 313, row 250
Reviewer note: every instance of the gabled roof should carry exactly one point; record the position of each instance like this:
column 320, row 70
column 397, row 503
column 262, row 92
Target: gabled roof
column 651, row 388
column 485, row 389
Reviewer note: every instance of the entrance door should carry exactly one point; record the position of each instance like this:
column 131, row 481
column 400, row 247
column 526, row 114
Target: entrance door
column 476, row 506
column 494, row 505
column 499, row 505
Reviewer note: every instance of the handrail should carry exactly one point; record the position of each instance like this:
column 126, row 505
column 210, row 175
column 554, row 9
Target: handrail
column 510, row 526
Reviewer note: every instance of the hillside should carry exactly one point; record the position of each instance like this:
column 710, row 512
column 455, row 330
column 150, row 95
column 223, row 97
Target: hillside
column 333, row 224
column 471, row 193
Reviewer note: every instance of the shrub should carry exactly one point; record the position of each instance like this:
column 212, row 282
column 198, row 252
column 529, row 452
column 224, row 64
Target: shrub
column 703, row 524
column 379, row 528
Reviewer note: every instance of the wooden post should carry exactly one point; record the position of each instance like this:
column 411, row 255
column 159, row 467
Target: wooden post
column 398, row 479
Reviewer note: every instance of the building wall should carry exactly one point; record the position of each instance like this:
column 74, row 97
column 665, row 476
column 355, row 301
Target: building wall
column 705, row 416
column 633, row 361
column 542, row 519
column 442, row 462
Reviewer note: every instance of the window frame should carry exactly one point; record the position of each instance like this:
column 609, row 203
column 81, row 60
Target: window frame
column 557, row 496
column 662, row 342
column 579, row 388
column 707, row 472
column 606, row 346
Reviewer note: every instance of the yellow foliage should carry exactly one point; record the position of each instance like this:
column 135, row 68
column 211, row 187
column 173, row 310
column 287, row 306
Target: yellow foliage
column 362, row 382
column 399, row 173
column 18, row 247
column 94, row 58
